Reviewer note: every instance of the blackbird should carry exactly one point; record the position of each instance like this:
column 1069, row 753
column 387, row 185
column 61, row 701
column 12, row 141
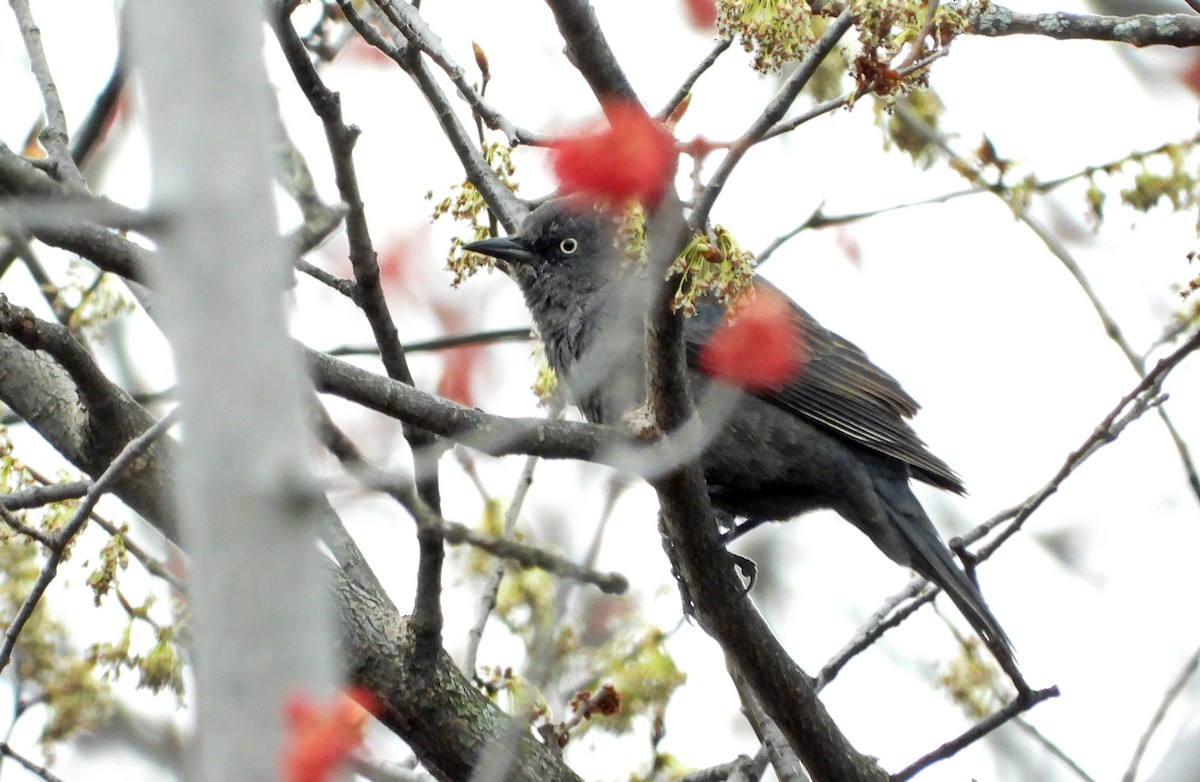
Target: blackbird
column 832, row 436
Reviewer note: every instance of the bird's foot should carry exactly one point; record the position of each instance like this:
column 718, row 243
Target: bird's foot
column 747, row 569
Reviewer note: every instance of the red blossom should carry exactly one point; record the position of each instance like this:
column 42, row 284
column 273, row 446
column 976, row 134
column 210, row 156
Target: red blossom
column 759, row 346
column 1191, row 76
column 321, row 736
column 455, row 382
column 702, row 14
column 359, row 51
column 633, row 158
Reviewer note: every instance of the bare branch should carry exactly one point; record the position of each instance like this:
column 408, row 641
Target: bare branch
column 446, row 720
column 588, row 50
column 1173, row 691
column 1053, row 749
column 786, row 126
column 103, row 484
column 976, row 732
column 685, row 89
column 505, row 205
column 402, row 490
column 742, row 767
column 448, row 723
column 705, row 569
column 520, row 334
column 487, row 598
column 1162, row 30
column 1142, row 398
column 107, row 250
column 12, row 522
column 27, row 764
column 55, row 134
column 1059, row 251
column 772, row 114
column 408, row 20
column 368, row 295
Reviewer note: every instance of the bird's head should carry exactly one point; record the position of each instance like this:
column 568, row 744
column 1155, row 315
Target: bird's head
column 563, row 248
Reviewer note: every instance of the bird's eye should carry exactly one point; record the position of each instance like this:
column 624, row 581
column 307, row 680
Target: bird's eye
column 568, row 246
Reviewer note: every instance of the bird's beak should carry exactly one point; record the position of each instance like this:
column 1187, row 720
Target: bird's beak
column 506, row 248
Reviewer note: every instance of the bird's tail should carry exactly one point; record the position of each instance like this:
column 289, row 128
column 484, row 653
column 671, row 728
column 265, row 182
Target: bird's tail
column 930, row 557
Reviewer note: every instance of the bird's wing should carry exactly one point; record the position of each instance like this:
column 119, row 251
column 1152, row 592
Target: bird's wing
column 840, row 389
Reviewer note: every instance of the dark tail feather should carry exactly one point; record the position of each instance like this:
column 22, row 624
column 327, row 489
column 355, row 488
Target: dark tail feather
column 930, row 557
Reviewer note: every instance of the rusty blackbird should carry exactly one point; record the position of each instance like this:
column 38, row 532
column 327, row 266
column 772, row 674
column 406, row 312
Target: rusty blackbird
column 834, row 436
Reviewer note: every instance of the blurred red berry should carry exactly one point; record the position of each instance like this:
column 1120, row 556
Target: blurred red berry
column 759, row 346
column 455, row 382
column 702, row 14
column 633, row 158
column 320, row 736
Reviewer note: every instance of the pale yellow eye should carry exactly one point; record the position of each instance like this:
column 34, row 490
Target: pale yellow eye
column 568, row 246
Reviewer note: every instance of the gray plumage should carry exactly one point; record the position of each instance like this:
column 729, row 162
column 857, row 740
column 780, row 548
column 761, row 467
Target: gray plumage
column 834, row 436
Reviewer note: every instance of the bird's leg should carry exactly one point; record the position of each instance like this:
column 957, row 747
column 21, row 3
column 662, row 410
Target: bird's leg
column 734, row 531
column 966, row 557
column 730, row 531
column 685, row 595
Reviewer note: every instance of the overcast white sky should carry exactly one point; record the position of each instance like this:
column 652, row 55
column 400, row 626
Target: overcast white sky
column 959, row 301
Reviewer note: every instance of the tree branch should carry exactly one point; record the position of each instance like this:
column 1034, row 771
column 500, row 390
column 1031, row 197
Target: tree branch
column 588, row 50
column 55, row 134
column 448, row 723
column 415, row 30
column 88, row 429
column 134, row 449
column 773, row 113
column 1060, row 252
column 976, row 732
column 368, row 295
column 445, row 721
column 1162, row 30
column 507, row 207
column 685, row 89
column 1173, row 691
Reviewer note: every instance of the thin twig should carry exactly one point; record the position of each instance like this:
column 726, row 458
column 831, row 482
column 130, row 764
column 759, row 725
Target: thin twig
column 1173, row 691
column 685, row 89
column 497, row 757
column 27, row 764
column 1059, row 251
column 773, row 113
column 414, row 29
column 369, row 296
column 402, row 490
column 57, row 492
column 55, row 134
column 848, row 99
column 132, row 450
column 818, row 219
column 750, row 768
column 520, row 334
column 1053, row 748
column 503, row 202
column 339, row 284
column 16, row 525
column 975, row 732
column 1142, row 398
column 917, row 45
column 487, row 597
column 889, row 615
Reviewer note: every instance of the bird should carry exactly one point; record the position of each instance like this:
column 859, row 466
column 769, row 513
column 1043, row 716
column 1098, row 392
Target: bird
column 833, row 435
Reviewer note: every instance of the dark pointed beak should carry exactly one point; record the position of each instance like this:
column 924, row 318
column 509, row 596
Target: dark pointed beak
column 506, row 248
